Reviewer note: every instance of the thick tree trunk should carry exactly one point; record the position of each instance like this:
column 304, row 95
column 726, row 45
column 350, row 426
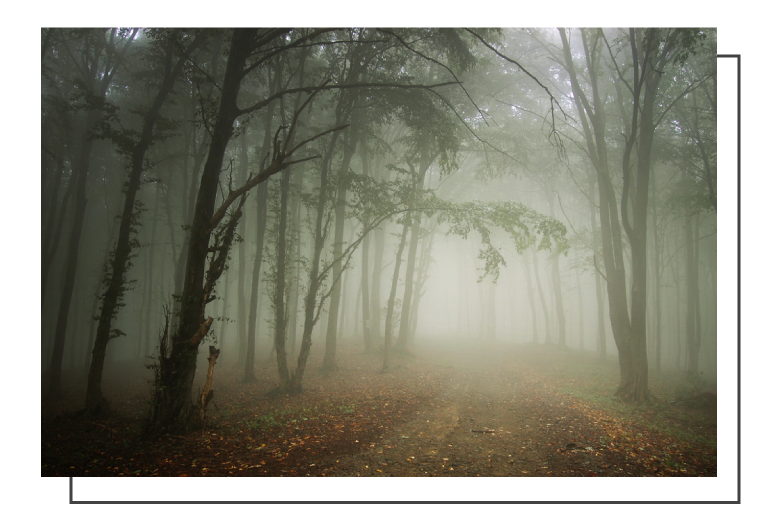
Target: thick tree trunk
column 634, row 380
column 175, row 409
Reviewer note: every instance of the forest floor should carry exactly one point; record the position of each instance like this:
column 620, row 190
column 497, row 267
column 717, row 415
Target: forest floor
column 457, row 409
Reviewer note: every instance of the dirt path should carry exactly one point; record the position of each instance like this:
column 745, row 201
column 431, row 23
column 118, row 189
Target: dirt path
column 494, row 418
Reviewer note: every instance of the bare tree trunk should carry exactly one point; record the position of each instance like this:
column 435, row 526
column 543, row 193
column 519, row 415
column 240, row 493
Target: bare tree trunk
column 144, row 335
column 556, row 281
column 540, row 290
column 530, row 285
column 242, row 316
column 464, row 315
column 296, row 276
column 254, row 297
column 693, row 316
column 601, row 335
column 294, row 385
column 50, row 241
column 402, row 344
column 376, row 284
column 490, row 313
column 366, row 306
column 391, row 300
column 422, row 276
column 71, row 261
column 329, row 361
column 581, row 330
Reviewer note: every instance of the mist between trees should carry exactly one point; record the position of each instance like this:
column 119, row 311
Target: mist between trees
column 269, row 193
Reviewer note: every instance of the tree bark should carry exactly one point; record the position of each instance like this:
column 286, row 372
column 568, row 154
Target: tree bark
column 254, row 297
column 391, row 300
column 545, row 313
column 72, row 258
column 329, row 361
column 126, row 242
column 402, row 344
column 530, row 285
column 175, row 410
column 693, row 316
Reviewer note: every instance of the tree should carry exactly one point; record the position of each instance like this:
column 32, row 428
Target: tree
column 164, row 45
column 101, row 54
column 174, row 410
column 649, row 52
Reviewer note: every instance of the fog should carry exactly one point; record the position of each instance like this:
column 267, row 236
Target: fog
column 279, row 198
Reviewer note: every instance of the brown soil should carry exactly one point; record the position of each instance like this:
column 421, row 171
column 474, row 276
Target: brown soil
column 456, row 410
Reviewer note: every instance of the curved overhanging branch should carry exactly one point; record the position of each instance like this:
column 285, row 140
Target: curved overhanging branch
column 278, row 163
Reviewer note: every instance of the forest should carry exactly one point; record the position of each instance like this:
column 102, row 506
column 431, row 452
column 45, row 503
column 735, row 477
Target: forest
column 379, row 252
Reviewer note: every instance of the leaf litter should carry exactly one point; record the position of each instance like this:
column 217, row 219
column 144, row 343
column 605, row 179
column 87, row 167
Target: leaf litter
column 450, row 410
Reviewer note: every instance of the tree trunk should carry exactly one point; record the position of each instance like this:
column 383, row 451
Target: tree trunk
column 174, row 413
column 601, row 335
column 72, row 258
column 294, row 385
column 376, row 285
column 242, row 316
column 126, row 242
column 530, row 285
column 364, row 265
column 329, row 361
column 693, row 317
column 254, row 297
column 581, row 330
column 422, row 276
column 51, row 237
column 402, row 344
column 391, row 300
column 296, row 276
column 145, row 331
column 545, row 313
column 366, row 314
column 561, row 315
